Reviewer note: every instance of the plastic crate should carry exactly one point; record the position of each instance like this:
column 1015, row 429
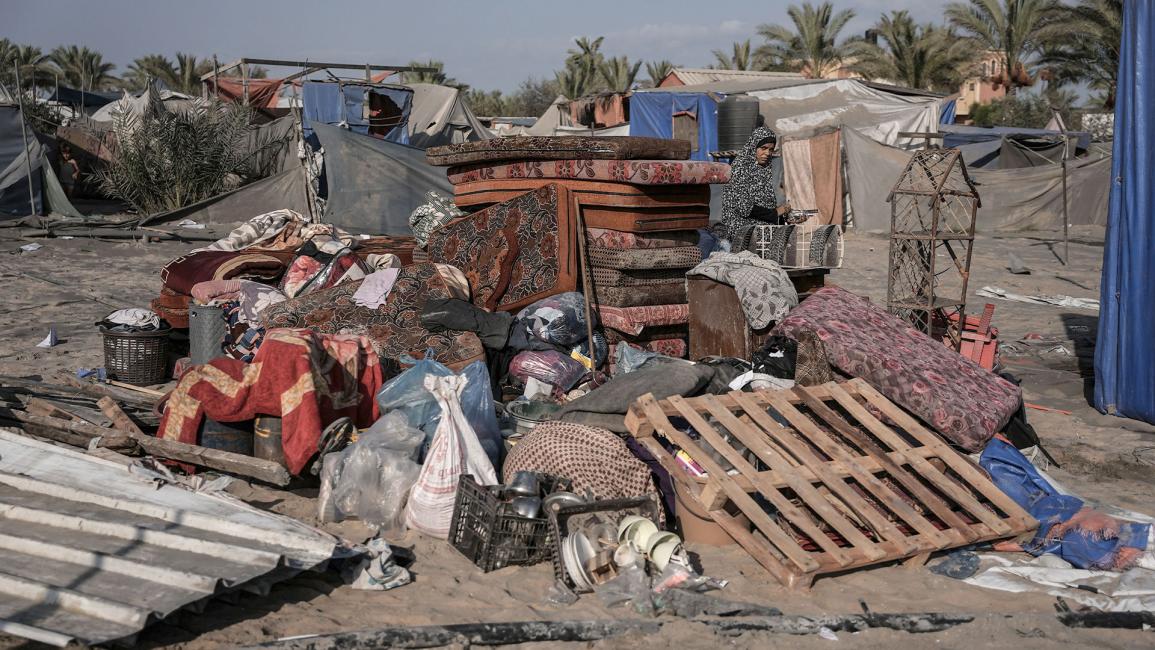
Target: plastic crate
column 491, row 537
column 570, row 518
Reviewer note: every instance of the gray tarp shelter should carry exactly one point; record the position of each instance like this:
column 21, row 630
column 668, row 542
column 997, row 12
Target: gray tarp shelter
column 1029, row 198
column 47, row 194
column 285, row 190
column 374, row 185
column 440, row 116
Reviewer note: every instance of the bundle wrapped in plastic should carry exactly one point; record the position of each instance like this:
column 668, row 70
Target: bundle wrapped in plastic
column 371, row 478
column 549, row 366
column 559, row 319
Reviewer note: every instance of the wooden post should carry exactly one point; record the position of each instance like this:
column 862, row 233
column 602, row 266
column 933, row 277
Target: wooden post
column 216, row 78
column 245, row 83
column 24, row 135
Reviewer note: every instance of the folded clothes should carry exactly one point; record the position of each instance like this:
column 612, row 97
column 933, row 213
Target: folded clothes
column 172, row 307
column 681, row 257
column 374, row 290
column 621, row 240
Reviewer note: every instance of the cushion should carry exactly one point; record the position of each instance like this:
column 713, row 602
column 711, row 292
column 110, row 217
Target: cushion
column 954, row 395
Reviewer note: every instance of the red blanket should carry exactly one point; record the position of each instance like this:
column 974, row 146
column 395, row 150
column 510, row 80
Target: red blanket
column 306, row 378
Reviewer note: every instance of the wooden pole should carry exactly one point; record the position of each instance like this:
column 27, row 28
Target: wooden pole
column 24, row 135
column 245, row 83
column 1066, row 219
column 216, row 78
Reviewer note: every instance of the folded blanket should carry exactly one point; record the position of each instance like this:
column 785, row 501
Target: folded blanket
column 305, row 378
column 172, row 307
column 186, row 271
column 634, row 172
column 558, row 148
column 954, row 395
column 763, row 288
column 633, row 320
column 660, row 294
column 681, row 257
column 638, row 277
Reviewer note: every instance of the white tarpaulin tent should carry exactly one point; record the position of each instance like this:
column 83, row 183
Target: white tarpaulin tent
column 876, row 113
column 440, row 116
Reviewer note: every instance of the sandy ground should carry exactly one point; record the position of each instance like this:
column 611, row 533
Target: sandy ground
column 73, row 283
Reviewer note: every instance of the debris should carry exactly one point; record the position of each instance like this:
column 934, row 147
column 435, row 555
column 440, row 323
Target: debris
column 1048, row 409
column 49, row 340
column 1018, row 266
column 379, row 571
column 1089, row 304
column 31, row 248
column 827, row 633
column 959, row 564
column 190, row 224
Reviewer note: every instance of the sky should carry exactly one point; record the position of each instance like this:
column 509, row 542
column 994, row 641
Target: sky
column 491, row 46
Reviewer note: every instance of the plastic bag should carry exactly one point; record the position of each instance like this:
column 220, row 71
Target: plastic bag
column 371, row 478
column 559, row 319
column 455, row 451
column 407, row 393
column 549, row 366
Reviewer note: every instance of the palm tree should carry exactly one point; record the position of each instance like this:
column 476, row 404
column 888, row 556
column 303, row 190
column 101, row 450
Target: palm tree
column 151, row 66
column 913, row 55
column 1016, row 29
column 1093, row 57
column 738, row 59
column 812, row 46
column 438, row 76
column 187, row 74
column 658, row 70
column 35, row 68
column 582, row 66
column 83, row 68
column 618, row 74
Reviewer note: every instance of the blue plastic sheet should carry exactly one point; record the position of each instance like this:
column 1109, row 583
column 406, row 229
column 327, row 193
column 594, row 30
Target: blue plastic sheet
column 329, row 102
column 1125, row 349
column 652, row 115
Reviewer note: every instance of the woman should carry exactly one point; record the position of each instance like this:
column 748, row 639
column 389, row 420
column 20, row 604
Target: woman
column 748, row 200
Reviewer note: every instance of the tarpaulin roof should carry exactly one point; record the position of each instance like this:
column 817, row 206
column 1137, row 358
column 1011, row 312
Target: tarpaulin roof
column 87, row 98
column 652, row 115
column 440, row 116
column 1125, row 350
column 958, row 134
column 695, row 76
column 373, row 185
column 1030, row 198
column 263, row 93
column 14, row 165
column 380, row 109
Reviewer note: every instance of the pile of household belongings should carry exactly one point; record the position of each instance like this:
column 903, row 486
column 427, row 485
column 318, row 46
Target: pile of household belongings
column 641, row 201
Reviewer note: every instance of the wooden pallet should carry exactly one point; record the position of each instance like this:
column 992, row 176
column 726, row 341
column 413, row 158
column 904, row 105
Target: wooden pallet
column 845, row 490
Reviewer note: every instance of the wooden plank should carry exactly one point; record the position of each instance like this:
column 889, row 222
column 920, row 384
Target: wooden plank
column 877, row 520
column 754, row 440
column 957, row 527
column 777, row 536
column 120, row 419
column 37, row 406
column 224, row 461
column 712, row 496
column 953, row 459
column 792, row 512
column 869, row 482
column 960, row 496
column 71, row 432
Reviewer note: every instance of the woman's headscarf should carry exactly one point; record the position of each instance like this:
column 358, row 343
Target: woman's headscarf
column 751, row 185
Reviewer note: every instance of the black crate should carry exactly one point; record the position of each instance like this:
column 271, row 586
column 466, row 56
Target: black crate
column 491, row 537
column 569, row 518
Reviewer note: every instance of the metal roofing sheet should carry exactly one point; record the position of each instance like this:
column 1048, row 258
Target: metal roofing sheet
column 93, row 552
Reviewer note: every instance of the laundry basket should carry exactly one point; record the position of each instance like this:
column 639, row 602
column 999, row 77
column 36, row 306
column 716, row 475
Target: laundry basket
column 139, row 358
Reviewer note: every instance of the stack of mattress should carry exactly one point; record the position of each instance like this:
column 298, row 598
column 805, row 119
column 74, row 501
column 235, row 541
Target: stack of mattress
column 641, row 202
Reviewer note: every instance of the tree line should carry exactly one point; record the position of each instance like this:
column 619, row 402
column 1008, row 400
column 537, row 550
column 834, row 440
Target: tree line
column 1051, row 41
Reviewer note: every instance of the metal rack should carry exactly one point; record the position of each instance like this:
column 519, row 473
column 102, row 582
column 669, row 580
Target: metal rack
column 932, row 229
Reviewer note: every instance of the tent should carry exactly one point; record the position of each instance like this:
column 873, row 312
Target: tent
column 47, row 195
column 381, row 110
column 555, row 116
column 694, row 115
column 440, row 116
column 1004, row 147
column 135, row 104
column 1125, row 351
column 88, row 99
column 1012, row 199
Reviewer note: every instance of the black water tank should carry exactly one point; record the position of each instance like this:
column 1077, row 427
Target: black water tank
column 737, row 118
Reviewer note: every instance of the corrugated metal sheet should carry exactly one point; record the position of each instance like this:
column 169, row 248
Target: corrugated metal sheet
column 92, row 552
column 692, row 76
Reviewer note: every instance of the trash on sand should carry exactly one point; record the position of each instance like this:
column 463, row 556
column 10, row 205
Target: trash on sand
column 29, row 248
column 1059, row 301
column 49, row 340
column 827, row 633
column 190, row 224
column 1018, row 266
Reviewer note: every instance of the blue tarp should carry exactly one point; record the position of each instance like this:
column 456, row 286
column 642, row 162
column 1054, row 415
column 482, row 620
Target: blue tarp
column 1125, row 349
column 331, row 102
column 948, row 112
column 957, row 135
column 652, row 115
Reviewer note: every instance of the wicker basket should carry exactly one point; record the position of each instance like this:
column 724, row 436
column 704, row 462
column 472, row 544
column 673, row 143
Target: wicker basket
column 139, row 358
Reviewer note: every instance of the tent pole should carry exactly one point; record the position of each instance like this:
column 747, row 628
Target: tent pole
column 245, row 82
column 216, row 79
column 24, row 135
column 1066, row 220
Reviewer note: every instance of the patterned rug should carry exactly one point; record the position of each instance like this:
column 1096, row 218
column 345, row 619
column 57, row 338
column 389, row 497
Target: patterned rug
column 606, row 238
column 634, row 172
column 515, row 252
column 558, row 148
column 394, row 329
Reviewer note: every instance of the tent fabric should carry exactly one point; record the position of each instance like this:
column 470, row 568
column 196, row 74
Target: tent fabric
column 14, row 165
column 136, row 104
column 652, row 115
column 263, row 93
column 882, row 115
column 1125, row 351
column 1012, row 199
column 344, row 102
column 286, row 190
column 373, row 185
column 813, row 175
column 91, row 100
column 949, row 111
column 958, row 134
column 553, row 117
column 440, row 116
column 55, row 200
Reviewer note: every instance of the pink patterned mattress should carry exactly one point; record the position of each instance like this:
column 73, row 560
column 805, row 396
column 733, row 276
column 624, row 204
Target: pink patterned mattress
column 634, row 172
